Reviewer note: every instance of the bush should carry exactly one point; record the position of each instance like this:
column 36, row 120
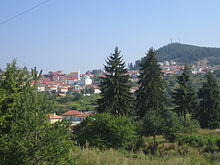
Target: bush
column 198, row 140
column 190, row 126
column 172, row 126
column 106, row 131
column 218, row 143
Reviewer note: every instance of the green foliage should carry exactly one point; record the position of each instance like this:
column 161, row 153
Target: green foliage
column 198, row 140
column 115, row 89
column 94, row 156
column 166, row 124
column 209, row 111
column 27, row 137
column 74, row 101
column 183, row 53
column 184, row 96
column 150, row 94
column 190, row 126
column 171, row 126
column 11, row 89
column 217, row 73
column 86, row 103
column 106, row 131
column 152, row 125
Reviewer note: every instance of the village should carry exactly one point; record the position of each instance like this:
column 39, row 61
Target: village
column 88, row 83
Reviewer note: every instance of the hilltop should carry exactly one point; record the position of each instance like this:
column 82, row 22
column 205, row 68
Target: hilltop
column 183, row 53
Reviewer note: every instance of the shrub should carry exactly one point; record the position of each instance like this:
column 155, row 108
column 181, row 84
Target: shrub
column 190, row 126
column 172, row 126
column 198, row 140
column 106, row 131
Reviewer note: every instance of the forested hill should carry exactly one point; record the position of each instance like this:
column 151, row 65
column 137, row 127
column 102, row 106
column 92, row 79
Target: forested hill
column 183, row 53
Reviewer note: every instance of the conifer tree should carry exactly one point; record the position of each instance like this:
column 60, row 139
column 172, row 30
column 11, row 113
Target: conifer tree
column 184, row 96
column 115, row 94
column 150, row 95
column 209, row 108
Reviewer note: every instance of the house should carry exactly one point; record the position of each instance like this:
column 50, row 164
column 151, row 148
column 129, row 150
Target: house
column 72, row 77
column 81, row 117
column 54, row 118
column 74, row 116
column 62, row 89
column 41, row 88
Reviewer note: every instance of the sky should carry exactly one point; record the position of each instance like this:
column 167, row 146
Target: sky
column 79, row 35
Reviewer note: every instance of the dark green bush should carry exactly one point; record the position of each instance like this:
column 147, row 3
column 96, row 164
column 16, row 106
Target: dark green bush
column 218, row 143
column 107, row 131
column 190, row 126
column 198, row 140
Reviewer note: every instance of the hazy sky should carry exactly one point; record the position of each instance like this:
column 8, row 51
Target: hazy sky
column 72, row 35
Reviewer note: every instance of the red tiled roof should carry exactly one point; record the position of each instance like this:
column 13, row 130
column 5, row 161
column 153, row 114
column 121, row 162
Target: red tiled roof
column 76, row 89
column 72, row 112
column 40, row 85
column 70, row 75
column 62, row 88
column 64, row 85
column 82, row 115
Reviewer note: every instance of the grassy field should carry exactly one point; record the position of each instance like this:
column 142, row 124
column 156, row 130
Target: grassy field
column 86, row 156
column 174, row 155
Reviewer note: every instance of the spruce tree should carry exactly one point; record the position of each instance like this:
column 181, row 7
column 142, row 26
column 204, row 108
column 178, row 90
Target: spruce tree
column 184, row 96
column 209, row 108
column 150, row 95
column 115, row 94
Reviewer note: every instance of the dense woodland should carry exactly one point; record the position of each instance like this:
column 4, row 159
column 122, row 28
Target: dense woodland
column 168, row 120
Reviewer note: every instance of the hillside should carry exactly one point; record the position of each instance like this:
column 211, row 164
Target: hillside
column 184, row 53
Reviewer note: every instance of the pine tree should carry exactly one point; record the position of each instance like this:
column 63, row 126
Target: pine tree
column 115, row 94
column 184, row 96
column 209, row 108
column 150, row 95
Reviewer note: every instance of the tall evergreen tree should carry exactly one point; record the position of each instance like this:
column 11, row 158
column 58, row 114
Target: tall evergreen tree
column 209, row 108
column 115, row 89
column 150, row 95
column 184, row 96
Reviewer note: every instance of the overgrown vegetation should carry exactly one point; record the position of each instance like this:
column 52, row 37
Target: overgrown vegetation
column 107, row 131
column 94, row 156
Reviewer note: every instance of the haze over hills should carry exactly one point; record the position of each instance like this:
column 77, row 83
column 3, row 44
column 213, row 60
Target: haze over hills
column 183, row 53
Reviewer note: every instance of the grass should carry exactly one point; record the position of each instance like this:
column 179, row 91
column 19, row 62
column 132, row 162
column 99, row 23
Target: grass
column 92, row 156
column 214, row 132
column 175, row 155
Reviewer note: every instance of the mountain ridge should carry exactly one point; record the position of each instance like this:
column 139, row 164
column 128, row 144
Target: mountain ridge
column 185, row 53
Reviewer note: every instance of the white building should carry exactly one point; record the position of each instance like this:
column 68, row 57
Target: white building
column 85, row 80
